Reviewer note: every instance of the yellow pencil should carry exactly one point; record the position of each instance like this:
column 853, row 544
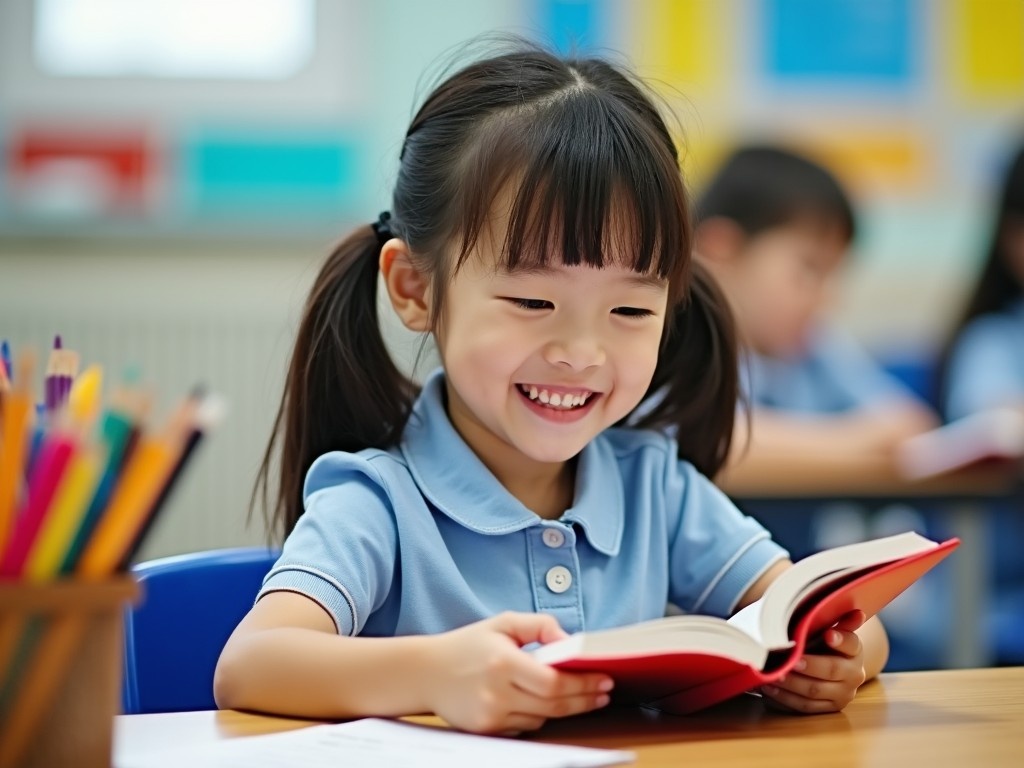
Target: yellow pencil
column 14, row 433
column 84, row 399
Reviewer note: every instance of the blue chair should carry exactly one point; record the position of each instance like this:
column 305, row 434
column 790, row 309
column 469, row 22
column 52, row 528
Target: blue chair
column 188, row 607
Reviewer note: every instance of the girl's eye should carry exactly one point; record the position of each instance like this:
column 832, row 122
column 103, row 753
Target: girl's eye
column 532, row 303
column 632, row 311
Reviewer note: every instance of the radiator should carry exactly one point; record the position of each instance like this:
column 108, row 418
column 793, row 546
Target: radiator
column 238, row 353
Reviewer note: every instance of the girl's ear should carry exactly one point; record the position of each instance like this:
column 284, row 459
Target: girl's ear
column 719, row 240
column 408, row 288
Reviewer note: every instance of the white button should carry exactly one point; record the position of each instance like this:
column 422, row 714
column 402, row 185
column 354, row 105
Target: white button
column 559, row 579
column 553, row 537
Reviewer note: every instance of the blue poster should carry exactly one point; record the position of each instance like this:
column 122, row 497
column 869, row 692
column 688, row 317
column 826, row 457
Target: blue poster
column 287, row 172
column 865, row 41
column 575, row 26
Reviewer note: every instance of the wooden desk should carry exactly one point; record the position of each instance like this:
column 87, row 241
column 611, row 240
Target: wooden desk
column 961, row 496
column 959, row 717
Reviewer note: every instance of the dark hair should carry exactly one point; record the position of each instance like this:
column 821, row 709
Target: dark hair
column 761, row 187
column 589, row 163
column 997, row 286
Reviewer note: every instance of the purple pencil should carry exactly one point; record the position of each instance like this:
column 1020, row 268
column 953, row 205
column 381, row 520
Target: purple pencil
column 61, row 369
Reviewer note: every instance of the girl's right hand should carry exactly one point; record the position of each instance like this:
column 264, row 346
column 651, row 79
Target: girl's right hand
column 481, row 680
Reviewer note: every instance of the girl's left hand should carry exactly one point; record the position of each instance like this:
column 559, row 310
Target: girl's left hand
column 824, row 683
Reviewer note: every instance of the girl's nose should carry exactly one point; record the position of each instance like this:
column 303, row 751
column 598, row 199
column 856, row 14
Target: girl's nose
column 577, row 351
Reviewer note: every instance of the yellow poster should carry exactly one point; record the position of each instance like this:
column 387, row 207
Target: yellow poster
column 682, row 42
column 875, row 162
column 986, row 43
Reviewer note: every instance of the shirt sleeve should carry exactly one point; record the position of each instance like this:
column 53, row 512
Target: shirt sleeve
column 985, row 369
column 343, row 549
column 716, row 552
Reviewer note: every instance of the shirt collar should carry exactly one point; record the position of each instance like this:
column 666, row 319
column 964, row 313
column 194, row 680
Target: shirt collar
column 455, row 481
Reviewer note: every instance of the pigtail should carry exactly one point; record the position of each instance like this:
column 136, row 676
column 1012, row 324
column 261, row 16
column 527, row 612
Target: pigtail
column 696, row 382
column 343, row 391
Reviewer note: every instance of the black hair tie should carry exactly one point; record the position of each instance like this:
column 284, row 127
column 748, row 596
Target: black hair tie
column 382, row 228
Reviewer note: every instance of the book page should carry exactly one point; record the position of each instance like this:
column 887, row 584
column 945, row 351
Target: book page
column 786, row 593
column 693, row 633
column 375, row 743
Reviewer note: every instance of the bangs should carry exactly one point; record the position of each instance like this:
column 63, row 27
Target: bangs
column 578, row 179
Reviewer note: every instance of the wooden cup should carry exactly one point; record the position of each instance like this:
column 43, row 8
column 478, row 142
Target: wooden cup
column 60, row 670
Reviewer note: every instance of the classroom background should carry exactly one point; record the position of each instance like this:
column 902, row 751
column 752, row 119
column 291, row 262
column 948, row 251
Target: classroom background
column 173, row 171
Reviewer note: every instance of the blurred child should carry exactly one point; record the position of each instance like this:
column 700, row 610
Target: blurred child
column 984, row 368
column 774, row 228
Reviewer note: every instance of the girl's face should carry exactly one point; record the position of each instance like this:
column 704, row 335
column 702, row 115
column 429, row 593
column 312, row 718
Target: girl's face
column 540, row 361
column 781, row 281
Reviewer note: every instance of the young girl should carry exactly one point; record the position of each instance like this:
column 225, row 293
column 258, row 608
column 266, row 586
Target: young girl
column 774, row 228
column 539, row 232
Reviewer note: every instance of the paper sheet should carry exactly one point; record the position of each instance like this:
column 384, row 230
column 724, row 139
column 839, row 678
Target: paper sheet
column 377, row 744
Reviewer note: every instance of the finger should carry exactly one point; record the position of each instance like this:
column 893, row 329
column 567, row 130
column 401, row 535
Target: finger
column 815, row 688
column 527, row 628
column 797, row 703
column 516, row 723
column 840, row 641
column 542, row 680
column 831, row 668
column 527, row 703
column 851, row 621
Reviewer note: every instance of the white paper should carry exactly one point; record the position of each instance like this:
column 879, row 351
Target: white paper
column 375, row 744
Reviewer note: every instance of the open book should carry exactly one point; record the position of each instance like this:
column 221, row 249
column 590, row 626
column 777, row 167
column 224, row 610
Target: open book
column 683, row 663
column 986, row 436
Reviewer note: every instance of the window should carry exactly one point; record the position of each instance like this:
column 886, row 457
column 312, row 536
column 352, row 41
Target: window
column 202, row 39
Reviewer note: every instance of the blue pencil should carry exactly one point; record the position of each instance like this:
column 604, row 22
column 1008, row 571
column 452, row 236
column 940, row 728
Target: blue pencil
column 5, row 359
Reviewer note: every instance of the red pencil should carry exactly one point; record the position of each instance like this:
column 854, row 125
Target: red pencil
column 42, row 484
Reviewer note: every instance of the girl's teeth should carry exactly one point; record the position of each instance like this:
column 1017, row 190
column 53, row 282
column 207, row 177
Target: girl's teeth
column 556, row 400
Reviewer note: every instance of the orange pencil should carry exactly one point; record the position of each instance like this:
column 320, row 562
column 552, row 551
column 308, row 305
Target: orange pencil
column 14, row 435
column 149, row 468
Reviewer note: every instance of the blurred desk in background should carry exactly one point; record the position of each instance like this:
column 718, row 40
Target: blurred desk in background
column 962, row 498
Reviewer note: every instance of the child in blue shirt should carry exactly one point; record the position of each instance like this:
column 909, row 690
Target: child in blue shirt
column 774, row 228
column 539, row 231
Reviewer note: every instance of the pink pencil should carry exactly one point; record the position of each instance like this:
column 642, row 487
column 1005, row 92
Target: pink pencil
column 42, row 484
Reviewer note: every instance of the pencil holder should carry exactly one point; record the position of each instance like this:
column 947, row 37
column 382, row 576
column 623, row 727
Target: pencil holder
column 60, row 670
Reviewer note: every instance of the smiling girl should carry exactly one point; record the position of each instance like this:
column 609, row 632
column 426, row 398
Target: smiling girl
column 539, row 230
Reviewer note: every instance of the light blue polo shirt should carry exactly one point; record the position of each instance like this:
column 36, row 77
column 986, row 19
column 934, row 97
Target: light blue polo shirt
column 834, row 375
column 422, row 538
column 986, row 366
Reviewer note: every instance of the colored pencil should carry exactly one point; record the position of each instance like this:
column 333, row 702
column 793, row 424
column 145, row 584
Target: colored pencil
column 119, row 432
column 147, row 472
column 61, row 369
column 54, row 458
column 13, row 432
column 5, row 358
column 209, row 413
column 78, row 485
